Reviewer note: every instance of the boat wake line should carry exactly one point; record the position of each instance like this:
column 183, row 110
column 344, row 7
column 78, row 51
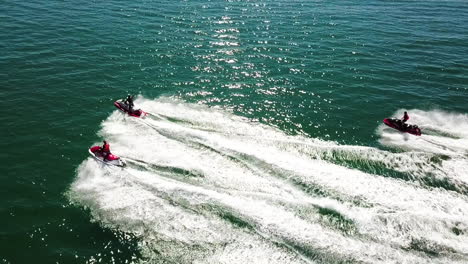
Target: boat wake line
column 206, row 186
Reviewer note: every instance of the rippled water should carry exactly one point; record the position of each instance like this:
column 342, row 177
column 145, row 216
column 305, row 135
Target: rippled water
column 265, row 144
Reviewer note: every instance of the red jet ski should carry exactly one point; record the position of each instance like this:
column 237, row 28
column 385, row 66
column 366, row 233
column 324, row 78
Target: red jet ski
column 124, row 108
column 111, row 159
column 403, row 127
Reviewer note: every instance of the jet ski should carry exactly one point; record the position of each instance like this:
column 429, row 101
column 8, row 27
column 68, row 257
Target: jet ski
column 111, row 159
column 403, row 127
column 124, row 108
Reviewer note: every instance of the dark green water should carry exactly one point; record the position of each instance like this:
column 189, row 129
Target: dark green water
column 269, row 93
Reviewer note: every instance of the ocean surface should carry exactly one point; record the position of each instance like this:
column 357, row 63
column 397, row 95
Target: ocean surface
column 264, row 143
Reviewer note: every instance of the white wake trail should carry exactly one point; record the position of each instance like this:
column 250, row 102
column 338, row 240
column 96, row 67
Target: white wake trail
column 206, row 186
column 443, row 133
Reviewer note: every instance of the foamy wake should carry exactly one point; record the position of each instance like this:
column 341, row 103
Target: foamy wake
column 443, row 133
column 205, row 186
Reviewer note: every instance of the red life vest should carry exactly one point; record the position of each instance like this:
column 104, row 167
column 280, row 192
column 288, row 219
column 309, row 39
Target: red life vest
column 106, row 148
column 405, row 117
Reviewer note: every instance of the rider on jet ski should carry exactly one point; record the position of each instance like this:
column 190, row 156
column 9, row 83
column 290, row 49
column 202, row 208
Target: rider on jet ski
column 403, row 120
column 105, row 150
column 405, row 117
column 129, row 102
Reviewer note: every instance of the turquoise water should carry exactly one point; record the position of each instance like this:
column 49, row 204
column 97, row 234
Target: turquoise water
column 265, row 143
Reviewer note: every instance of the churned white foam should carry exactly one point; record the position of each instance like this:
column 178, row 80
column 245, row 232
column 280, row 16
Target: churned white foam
column 443, row 133
column 205, row 186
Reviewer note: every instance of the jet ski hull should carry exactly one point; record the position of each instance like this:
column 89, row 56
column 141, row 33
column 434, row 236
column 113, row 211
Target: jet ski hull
column 124, row 108
column 402, row 127
column 112, row 159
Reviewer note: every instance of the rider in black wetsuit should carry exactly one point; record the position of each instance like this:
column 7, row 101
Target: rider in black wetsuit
column 129, row 102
